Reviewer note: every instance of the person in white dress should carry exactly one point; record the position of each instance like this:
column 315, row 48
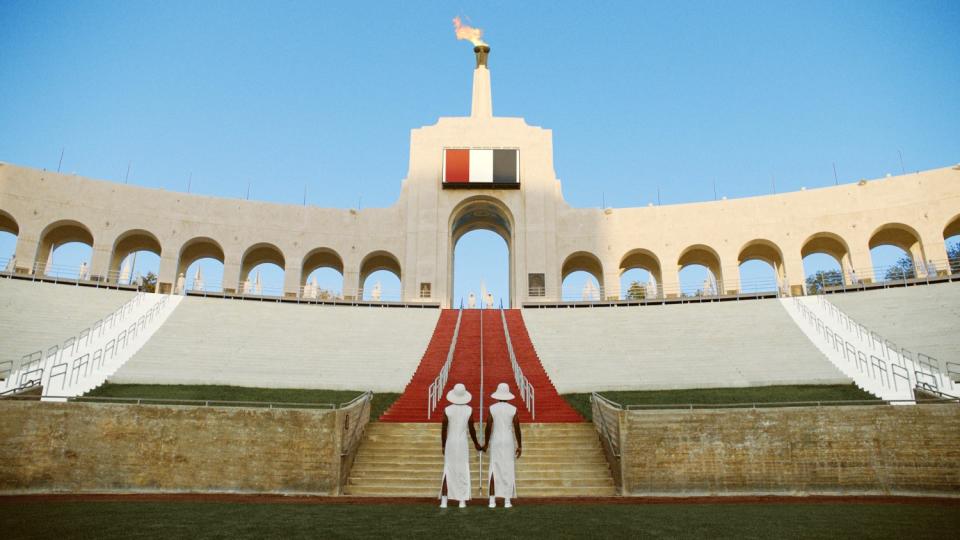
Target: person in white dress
column 503, row 445
column 456, row 452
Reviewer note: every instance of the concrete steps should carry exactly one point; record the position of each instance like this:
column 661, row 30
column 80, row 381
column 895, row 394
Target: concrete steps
column 405, row 460
column 273, row 345
column 711, row 345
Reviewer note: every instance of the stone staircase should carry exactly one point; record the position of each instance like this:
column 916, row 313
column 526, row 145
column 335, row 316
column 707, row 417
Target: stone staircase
column 404, row 460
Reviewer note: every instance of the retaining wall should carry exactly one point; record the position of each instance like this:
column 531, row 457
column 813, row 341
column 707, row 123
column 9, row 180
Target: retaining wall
column 849, row 449
column 81, row 447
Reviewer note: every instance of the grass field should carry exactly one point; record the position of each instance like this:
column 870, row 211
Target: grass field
column 239, row 393
column 704, row 396
column 169, row 520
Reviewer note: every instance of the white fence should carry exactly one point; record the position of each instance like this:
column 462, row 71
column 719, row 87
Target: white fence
column 435, row 391
column 875, row 364
column 527, row 392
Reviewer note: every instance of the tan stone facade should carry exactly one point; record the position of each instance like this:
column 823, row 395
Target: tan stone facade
column 111, row 447
column 787, row 450
column 415, row 238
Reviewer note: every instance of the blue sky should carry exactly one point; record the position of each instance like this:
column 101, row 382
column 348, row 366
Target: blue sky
column 640, row 96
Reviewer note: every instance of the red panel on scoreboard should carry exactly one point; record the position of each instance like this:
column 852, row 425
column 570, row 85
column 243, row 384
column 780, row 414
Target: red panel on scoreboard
column 457, row 166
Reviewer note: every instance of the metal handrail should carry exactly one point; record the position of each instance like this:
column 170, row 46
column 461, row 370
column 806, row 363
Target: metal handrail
column 928, row 367
column 596, row 402
column 353, row 431
column 524, row 386
column 186, row 402
column 435, row 391
column 775, row 404
column 863, row 363
column 31, row 362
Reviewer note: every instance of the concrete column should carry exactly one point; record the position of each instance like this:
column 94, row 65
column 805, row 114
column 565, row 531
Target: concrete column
column 860, row 260
column 730, row 280
column 935, row 249
column 482, row 105
column 351, row 282
column 167, row 278
column 26, row 252
column 671, row 280
column 100, row 262
column 611, row 285
column 793, row 268
column 231, row 273
column 291, row 280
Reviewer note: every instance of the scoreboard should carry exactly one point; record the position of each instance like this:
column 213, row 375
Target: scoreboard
column 481, row 168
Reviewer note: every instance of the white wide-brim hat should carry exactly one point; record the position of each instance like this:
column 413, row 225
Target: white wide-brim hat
column 503, row 392
column 459, row 395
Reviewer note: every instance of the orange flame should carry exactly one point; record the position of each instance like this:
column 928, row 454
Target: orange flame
column 468, row 32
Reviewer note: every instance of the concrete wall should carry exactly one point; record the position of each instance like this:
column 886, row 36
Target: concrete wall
column 869, row 449
column 111, row 447
column 416, row 237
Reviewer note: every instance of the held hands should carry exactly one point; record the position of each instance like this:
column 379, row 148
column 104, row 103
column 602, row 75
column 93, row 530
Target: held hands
column 479, row 448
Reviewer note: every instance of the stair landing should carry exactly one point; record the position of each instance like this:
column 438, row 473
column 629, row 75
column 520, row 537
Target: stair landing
column 404, row 460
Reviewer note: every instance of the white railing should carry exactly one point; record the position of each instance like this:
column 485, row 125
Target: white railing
column 435, row 391
column 82, row 362
column 525, row 387
column 927, row 369
column 861, row 355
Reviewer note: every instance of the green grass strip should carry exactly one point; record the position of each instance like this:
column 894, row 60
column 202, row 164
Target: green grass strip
column 714, row 396
column 199, row 520
column 240, row 393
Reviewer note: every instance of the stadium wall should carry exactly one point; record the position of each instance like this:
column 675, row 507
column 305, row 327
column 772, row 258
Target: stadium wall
column 906, row 450
column 80, row 447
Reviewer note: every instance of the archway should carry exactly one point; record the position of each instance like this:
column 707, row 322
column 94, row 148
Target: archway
column 761, row 266
column 135, row 253
column 640, row 275
column 9, row 231
column 951, row 237
column 383, row 268
column 896, row 253
column 200, row 266
column 481, row 250
column 321, row 276
column 65, row 250
column 699, row 271
column 826, row 262
column 261, row 270
column 582, row 277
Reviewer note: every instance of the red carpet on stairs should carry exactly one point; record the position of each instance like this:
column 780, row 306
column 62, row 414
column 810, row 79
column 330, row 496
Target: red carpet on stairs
column 411, row 406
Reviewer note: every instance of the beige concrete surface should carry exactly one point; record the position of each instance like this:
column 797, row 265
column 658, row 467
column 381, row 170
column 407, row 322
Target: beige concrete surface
column 415, row 237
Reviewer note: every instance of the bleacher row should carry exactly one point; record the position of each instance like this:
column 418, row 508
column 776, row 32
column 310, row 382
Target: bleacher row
column 215, row 341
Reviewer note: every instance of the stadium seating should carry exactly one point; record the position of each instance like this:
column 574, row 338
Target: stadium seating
column 264, row 344
column 923, row 319
column 35, row 315
column 710, row 345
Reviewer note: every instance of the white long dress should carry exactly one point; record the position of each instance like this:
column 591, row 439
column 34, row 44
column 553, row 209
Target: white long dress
column 503, row 451
column 456, row 458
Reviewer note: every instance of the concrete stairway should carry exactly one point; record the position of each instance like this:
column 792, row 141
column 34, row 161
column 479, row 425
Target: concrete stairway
column 412, row 403
column 550, row 406
column 922, row 319
column 273, row 345
column 404, row 460
column 712, row 345
column 37, row 315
